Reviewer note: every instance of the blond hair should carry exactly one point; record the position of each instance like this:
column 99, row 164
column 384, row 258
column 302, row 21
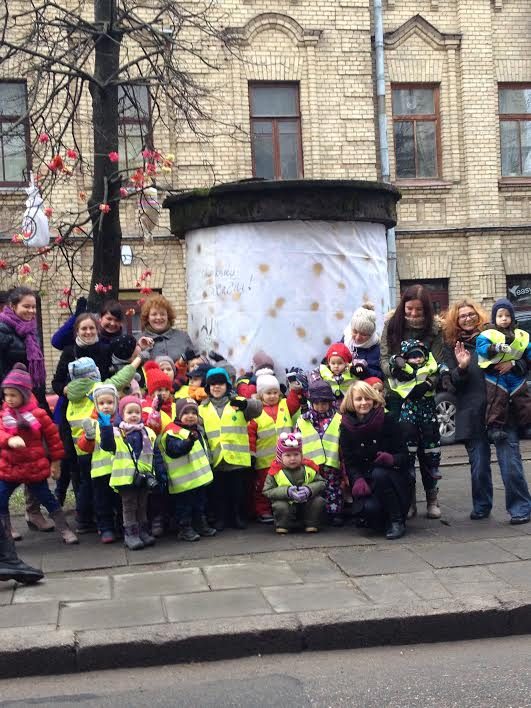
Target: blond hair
column 347, row 405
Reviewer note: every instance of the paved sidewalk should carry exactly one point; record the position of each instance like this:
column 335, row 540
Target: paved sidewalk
column 251, row 591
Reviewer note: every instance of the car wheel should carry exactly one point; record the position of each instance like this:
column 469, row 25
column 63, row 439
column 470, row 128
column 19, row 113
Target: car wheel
column 445, row 407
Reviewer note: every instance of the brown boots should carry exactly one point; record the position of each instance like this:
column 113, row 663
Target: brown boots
column 433, row 510
column 34, row 517
column 61, row 525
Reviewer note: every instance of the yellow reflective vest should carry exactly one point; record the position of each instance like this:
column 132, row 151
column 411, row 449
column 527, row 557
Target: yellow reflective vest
column 404, row 388
column 76, row 412
column 282, row 480
column 325, row 450
column 101, row 463
column 267, row 434
column 347, row 379
column 123, row 467
column 227, row 437
column 518, row 347
column 188, row 471
column 182, row 392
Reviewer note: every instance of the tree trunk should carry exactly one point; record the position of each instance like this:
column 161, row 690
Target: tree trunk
column 107, row 231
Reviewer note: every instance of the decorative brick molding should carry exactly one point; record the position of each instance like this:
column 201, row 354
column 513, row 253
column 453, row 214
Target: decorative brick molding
column 274, row 21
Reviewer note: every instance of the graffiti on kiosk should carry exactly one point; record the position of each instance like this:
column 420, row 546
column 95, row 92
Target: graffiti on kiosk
column 223, row 282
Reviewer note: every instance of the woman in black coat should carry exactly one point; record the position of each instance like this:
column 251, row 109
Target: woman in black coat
column 375, row 456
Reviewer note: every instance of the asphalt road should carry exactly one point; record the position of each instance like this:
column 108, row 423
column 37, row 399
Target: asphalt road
column 466, row 674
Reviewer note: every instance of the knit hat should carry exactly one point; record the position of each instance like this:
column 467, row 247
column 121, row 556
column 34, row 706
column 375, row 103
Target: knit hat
column 320, row 390
column 503, row 304
column 339, row 349
column 371, row 380
column 168, row 360
column 261, row 360
column 184, row 404
column 364, row 319
column 123, row 347
column 155, row 378
column 411, row 347
column 84, row 368
column 288, row 442
column 126, row 400
column 265, row 381
column 105, row 388
column 217, row 375
column 19, row 379
column 200, row 371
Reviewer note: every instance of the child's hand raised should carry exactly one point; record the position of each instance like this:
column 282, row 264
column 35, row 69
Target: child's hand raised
column 145, row 343
column 16, row 442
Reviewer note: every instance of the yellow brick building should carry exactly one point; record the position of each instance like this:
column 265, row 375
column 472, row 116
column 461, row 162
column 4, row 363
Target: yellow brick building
column 297, row 98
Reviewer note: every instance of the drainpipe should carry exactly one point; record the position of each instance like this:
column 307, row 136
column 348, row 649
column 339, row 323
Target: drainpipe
column 383, row 144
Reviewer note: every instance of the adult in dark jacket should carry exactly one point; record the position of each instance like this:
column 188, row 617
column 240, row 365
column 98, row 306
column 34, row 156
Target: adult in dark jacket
column 362, row 339
column 463, row 323
column 19, row 344
column 375, row 456
column 110, row 324
column 413, row 319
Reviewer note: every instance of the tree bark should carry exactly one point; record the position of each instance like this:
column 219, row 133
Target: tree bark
column 107, row 231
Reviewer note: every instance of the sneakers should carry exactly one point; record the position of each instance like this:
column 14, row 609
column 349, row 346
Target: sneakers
column 478, row 515
column 265, row 519
column 281, row 530
column 203, row 528
column 107, row 537
column 311, row 529
column 187, row 533
column 518, row 520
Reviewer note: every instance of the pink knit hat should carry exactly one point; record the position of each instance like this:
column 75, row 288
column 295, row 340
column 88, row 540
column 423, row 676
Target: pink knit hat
column 125, row 401
column 288, row 442
column 19, row 379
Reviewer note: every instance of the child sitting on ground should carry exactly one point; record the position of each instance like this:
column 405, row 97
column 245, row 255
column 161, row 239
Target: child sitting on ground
column 30, row 449
column 131, row 445
column 184, row 451
column 319, row 428
column 263, row 433
column 504, row 352
column 413, row 376
column 294, row 487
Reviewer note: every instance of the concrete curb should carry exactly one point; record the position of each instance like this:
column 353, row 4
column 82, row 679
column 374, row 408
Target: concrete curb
column 34, row 651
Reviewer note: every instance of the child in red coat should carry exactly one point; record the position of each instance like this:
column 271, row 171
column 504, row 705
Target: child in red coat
column 30, row 447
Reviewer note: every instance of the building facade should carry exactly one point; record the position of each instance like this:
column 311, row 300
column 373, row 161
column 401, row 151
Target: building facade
column 297, row 99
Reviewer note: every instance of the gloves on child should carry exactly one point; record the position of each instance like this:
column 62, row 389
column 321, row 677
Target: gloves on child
column 104, row 418
column 384, row 459
column 397, row 362
column 157, row 403
column 299, row 495
column 293, row 493
column 502, row 348
column 238, row 403
column 420, row 390
column 359, row 368
column 360, row 488
column 89, row 426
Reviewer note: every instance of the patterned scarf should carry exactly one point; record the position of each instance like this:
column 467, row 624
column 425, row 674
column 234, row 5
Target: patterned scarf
column 28, row 332
column 320, row 421
column 16, row 419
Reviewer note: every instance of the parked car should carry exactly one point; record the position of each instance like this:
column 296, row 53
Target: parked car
column 445, row 400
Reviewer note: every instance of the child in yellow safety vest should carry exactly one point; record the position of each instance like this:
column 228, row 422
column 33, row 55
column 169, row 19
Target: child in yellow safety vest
column 338, row 370
column 276, row 418
column 319, row 427
column 225, row 417
column 185, row 454
column 294, row 487
column 107, row 506
column 131, row 445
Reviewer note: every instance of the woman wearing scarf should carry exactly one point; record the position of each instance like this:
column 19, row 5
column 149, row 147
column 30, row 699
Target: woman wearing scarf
column 413, row 319
column 463, row 323
column 363, row 341
column 19, row 344
column 375, row 456
column 86, row 343
column 157, row 318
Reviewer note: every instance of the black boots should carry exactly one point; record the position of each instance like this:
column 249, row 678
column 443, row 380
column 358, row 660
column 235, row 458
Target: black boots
column 11, row 567
column 395, row 530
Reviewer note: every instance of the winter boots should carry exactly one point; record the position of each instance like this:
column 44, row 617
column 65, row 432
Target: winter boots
column 132, row 538
column 61, row 525
column 34, row 517
column 202, row 527
column 146, row 538
column 187, row 533
column 11, row 567
column 433, row 510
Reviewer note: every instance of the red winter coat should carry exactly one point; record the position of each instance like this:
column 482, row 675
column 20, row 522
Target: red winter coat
column 30, row 464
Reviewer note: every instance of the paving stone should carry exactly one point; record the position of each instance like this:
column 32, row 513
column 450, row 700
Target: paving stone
column 385, row 589
column 396, row 559
column 66, row 588
column 217, row 604
column 161, row 582
column 111, row 613
column 6, row 592
column 241, row 575
column 471, row 581
column 518, row 574
column 89, row 555
column 32, row 613
column 424, row 584
column 313, row 596
column 316, row 570
column 448, row 555
column 520, row 546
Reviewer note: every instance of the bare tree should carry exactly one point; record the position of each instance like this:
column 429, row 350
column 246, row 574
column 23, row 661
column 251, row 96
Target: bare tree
column 85, row 61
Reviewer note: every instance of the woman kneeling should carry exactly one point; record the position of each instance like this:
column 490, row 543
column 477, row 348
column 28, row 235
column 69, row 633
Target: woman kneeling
column 374, row 452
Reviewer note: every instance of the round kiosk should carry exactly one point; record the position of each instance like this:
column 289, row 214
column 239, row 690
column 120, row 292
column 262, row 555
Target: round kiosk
column 281, row 265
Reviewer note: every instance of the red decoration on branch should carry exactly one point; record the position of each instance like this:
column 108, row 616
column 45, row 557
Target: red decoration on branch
column 114, row 157
column 105, row 208
column 44, row 138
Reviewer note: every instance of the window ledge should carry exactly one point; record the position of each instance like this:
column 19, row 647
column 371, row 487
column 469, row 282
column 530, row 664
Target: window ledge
column 423, row 184
column 512, row 183
column 19, row 189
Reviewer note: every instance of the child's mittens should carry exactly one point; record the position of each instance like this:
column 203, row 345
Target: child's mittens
column 502, row 348
column 305, row 493
column 360, row 488
column 293, row 494
column 157, row 404
column 89, row 427
column 238, row 403
column 359, row 368
column 384, row 459
column 104, row 418
column 420, row 390
column 55, row 469
column 16, row 442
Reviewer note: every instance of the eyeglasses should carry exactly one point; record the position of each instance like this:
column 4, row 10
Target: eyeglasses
column 468, row 316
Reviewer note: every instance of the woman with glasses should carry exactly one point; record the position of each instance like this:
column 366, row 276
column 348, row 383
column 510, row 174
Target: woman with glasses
column 463, row 323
